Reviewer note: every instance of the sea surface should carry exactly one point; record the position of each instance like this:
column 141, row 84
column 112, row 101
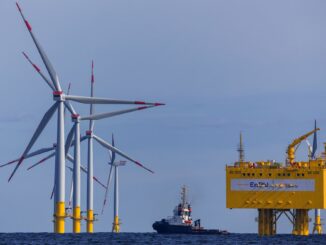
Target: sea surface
column 153, row 238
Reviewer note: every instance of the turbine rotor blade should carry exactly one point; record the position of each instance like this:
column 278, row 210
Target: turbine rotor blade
column 112, row 148
column 39, row 71
column 112, row 152
column 40, row 151
column 112, row 114
column 42, row 160
column 84, row 170
column 107, row 189
column 69, row 86
column 69, row 139
column 68, row 106
column 83, row 138
column 8, row 163
column 46, row 61
column 98, row 181
column 71, row 192
column 91, row 108
column 95, row 100
column 52, row 194
column 46, row 118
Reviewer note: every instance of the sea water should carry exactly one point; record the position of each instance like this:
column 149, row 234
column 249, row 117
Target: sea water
column 153, row 238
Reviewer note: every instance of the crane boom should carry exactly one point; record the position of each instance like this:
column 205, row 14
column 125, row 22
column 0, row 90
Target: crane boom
column 291, row 148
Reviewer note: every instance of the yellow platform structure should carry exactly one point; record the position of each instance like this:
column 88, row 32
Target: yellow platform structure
column 275, row 189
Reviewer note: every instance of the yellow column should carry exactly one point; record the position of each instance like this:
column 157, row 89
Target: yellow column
column 60, row 217
column 317, row 225
column 266, row 226
column 76, row 220
column 116, row 225
column 301, row 222
column 90, row 221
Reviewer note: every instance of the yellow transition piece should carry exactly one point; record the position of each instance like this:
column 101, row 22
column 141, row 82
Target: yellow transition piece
column 76, row 220
column 90, row 221
column 60, row 217
column 116, row 225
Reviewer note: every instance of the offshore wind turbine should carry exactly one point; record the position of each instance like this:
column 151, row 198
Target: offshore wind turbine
column 114, row 165
column 60, row 100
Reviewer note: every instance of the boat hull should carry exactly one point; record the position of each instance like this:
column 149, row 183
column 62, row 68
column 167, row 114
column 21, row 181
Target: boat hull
column 163, row 227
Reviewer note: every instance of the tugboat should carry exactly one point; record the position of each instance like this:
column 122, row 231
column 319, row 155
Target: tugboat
column 181, row 221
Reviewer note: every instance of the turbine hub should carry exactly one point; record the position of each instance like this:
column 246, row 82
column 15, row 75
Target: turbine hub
column 58, row 96
column 75, row 117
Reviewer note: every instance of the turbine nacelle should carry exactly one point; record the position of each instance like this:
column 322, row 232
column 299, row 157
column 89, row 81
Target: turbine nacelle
column 118, row 163
column 58, row 96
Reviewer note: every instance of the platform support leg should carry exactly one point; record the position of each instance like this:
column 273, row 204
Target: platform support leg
column 266, row 222
column 318, row 229
column 301, row 222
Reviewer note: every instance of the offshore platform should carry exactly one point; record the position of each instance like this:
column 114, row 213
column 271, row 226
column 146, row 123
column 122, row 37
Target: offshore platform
column 276, row 189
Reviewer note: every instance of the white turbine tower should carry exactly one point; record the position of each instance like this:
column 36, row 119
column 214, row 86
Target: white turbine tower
column 61, row 100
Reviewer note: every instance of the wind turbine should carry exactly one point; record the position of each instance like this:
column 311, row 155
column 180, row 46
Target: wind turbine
column 60, row 100
column 114, row 165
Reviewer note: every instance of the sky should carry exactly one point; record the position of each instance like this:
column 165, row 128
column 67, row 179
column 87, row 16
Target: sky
column 221, row 67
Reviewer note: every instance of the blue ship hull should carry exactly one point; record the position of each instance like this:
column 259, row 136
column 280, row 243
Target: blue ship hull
column 163, row 227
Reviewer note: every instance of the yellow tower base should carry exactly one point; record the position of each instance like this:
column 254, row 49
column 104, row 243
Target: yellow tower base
column 116, row 225
column 266, row 222
column 60, row 218
column 317, row 226
column 76, row 220
column 301, row 222
column 90, row 221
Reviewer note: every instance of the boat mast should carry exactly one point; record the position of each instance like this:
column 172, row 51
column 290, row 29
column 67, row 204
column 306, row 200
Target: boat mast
column 183, row 196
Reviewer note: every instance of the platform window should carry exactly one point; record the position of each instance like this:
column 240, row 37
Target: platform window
column 248, row 174
column 252, row 174
column 269, row 174
column 278, row 174
column 302, row 174
column 261, row 174
column 244, row 174
column 283, row 174
column 288, row 174
column 298, row 174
